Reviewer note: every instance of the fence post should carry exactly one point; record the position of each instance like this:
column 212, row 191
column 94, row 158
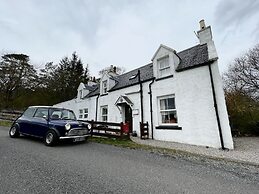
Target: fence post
column 121, row 126
column 92, row 126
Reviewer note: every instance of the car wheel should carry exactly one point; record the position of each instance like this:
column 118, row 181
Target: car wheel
column 14, row 132
column 50, row 138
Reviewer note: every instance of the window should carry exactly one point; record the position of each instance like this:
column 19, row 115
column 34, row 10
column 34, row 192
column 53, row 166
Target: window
column 56, row 114
column 80, row 94
column 167, row 110
column 85, row 113
column 41, row 113
column 80, row 113
column 105, row 87
column 29, row 112
column 163, row 66
column 104, row 113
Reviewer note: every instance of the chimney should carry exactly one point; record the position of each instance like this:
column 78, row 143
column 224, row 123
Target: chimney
column 205, row 37
column 115, row 69
column 204, row 34
column 91, row 81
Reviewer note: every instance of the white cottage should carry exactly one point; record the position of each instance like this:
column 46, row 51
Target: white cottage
column 179, row 94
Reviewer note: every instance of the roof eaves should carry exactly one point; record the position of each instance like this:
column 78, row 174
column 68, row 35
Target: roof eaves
column 194, row 66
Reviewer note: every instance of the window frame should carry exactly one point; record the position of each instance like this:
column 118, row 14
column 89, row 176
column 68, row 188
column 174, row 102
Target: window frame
column 41, row 108
column 104, row 115
column 105, row 89
column 85, row 113
column 80, row 114
column 168, row 68
column 160, row 120
column 81, row 94
column 29, row 109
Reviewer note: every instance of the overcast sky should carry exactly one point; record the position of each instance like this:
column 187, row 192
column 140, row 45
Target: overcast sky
column 125, row 33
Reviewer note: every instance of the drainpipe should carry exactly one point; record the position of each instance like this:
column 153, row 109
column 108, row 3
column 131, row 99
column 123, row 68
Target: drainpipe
column 216, row 109
column 151, row 107
column 96, row 107
column 141, row 96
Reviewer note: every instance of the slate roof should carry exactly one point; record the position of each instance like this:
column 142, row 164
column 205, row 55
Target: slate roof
column 193, row 57
column 95, row 92
column 190, row 58
column 91, row 88
column 131, row 78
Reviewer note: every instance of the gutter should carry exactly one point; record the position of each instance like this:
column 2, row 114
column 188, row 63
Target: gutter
column 151, row 107
column 216, row 108
column 141, row 96
column 96, row 106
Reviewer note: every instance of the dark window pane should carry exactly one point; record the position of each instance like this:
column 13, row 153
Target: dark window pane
column 171, row 104
column 104, row 111
column 169, row 117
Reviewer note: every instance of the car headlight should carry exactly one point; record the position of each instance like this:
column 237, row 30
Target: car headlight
column 67, row 126
column 89, row 126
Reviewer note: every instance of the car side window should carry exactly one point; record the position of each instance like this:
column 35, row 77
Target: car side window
column 41, row 113
column 29, row 112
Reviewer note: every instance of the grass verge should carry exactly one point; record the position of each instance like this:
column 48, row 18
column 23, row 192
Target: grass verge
column 5, row 123
column 127, row 143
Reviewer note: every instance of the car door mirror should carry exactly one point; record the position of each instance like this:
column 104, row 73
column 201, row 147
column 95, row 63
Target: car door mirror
column 44, row 117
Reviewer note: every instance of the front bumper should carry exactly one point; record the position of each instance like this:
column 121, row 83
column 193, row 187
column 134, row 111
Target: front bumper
column 75, row 136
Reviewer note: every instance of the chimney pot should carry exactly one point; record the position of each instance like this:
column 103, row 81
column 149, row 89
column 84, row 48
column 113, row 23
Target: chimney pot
column 202, row 24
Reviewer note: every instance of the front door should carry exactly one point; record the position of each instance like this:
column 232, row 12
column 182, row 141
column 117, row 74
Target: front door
column 128, row 116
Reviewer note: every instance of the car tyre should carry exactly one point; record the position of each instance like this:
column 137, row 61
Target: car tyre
column 14, row 132
column 50, row 138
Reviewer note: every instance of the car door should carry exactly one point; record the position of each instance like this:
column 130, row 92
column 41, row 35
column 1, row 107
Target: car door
column 40, row 122
column 25, row 120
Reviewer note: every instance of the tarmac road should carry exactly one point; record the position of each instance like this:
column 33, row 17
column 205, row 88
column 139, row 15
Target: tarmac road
column 28, row 166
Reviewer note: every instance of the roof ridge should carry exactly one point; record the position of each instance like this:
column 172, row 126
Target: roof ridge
column 135, row 69
column 191, row 48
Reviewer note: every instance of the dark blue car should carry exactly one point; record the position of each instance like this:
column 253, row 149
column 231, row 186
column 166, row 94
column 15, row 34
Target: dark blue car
column 50, row 123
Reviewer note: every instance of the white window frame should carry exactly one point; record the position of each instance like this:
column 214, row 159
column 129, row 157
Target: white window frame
column 160, row 69
column 105, row 86
column 166, row 110
column 81, row 94
column 104, row 115
column 85, row 113
column 80, row 115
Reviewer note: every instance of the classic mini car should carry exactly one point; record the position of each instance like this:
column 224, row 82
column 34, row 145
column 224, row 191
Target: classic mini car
column 50, row 123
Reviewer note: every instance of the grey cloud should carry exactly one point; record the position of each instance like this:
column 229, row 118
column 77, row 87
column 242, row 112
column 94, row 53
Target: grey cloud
column 232, row 13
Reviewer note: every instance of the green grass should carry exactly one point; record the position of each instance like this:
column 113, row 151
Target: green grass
column 127, row 143
column 116, row 142
column 5, row 123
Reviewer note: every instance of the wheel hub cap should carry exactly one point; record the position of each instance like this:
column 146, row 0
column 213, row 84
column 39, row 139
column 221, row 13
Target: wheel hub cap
column 13, row 130
column 49, row 138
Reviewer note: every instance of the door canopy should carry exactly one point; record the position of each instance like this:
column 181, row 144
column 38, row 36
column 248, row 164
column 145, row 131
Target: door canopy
column 122, row 100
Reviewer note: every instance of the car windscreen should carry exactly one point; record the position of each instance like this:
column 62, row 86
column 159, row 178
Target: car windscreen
column 62, row 114
column 29, row 112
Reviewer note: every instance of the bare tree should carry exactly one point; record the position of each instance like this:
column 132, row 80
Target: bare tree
column 243, row 74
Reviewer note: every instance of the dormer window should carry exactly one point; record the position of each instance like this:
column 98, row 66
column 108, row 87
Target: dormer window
column 104, row 84
column 80, row 94
column 163, row 66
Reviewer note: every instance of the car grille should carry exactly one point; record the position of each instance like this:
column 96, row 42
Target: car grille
column 77, row 132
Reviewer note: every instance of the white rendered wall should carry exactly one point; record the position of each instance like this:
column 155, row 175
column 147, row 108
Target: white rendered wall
column 114, row 114
column 195, row 110
column 222, row 109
